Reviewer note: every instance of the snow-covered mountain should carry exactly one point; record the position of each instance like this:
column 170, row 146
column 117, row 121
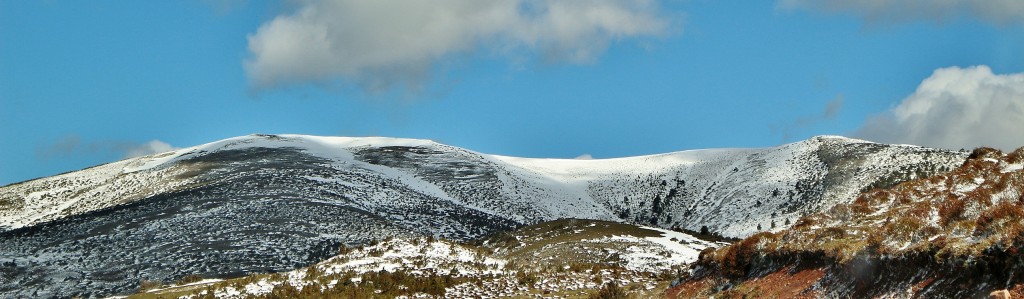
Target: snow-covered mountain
column 264, row 203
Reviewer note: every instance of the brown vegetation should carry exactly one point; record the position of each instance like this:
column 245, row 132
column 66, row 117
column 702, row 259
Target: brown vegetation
column 610, row 290
column 189, row 279
column 962, row 228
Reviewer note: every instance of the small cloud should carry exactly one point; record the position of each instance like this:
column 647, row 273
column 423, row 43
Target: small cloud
column 1000, row 12
column 584, row 157
column 64, row 146
column 832, row 109
column 956, row 108
column 70, row 145
column 152, row 147
column 381, row 45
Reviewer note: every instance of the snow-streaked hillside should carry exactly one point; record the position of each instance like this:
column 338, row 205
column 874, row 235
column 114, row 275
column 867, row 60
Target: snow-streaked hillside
column 725, row 189
column 530, row 260
column 274, row 202
column 958, row 234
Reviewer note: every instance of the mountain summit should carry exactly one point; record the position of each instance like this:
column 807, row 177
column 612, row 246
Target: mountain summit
column 262, row 203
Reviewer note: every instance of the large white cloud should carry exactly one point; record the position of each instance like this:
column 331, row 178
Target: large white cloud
column 956, row 108
column 382, row 44
column 993, row 11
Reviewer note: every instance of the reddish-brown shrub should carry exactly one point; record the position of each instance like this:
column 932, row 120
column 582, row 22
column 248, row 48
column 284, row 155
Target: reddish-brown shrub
column 976, row 168
column 994, row 218
column 920, row 210
column 1016, row 156
column 985, row 152
column 737, row 257
column 832, row 233
column 1013, row 235
column 187, row 279
column 903, row 197
column 861, row 208
column 939, row 242
column 930, row 230
column 879, row 196
column 1001, row 182
column 981, row 195
column 903, row 227
column 804, row 222
column 862, row 205
column 951, row 209
column 611, row 290
column 874, row 242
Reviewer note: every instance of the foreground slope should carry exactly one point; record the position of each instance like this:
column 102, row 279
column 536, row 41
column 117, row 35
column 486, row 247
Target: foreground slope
column 954, row 235
column 560, row 258
column 264, row 203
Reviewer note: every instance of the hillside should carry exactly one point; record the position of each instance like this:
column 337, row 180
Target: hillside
column 271, row 203
column 953, row 235
column 570, row 257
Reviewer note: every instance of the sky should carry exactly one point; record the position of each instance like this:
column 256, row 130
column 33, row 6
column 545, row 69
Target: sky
column 89, row 82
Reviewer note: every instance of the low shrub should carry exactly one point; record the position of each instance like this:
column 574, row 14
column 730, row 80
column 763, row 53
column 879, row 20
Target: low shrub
column 985, row 152
column 951, row 209
column 187, row 279
column 146, row 285
column 526, row 278
column 1016, row 156
column 997, row 216
column 609, row 291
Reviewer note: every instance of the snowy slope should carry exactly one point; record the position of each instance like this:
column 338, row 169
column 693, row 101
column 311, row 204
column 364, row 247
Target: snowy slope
column 733, row 191
column 708, row 184
column 275, row 202
column 632, row 257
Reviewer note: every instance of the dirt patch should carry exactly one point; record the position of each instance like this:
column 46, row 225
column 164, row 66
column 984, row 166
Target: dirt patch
column 782, row 284
column 692, row 289
column 922, row 285
column 785, row 283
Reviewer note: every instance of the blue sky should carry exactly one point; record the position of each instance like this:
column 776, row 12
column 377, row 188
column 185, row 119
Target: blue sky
column 89, row 82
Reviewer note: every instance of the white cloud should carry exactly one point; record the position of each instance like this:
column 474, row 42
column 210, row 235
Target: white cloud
column 993, row 11
column 148, row 148
column 584, row 157
column 70, row 145
column 383, row 44
column 832, row 109
column 956, row 108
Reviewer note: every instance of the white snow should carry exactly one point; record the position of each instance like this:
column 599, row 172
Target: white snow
column 729, row 190
column 660, row 253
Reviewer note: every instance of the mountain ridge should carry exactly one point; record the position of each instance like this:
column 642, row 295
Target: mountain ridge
column 322, row 147
column 270, row 203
